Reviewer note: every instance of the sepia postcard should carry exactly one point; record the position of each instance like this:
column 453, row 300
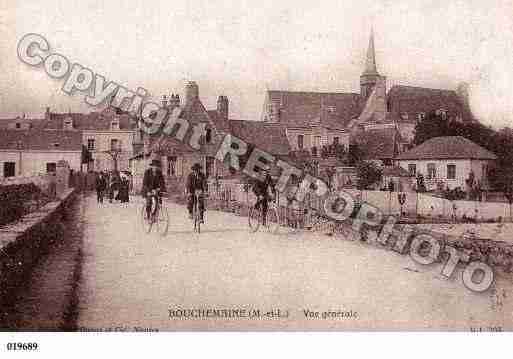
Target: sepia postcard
column 256, row 166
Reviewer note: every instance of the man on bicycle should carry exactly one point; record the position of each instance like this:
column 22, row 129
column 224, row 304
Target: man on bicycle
column 153, row 184
column 196, row 181
column 265, row 191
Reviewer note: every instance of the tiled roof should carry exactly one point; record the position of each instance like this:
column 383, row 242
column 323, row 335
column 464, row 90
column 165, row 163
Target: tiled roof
column 448, row 147
column 10, row 122
column 378, row 143
column 220, row 123
column 303, row 109
column 98, row 121
column 269, row 137
column 412, row 100
column 47, row 140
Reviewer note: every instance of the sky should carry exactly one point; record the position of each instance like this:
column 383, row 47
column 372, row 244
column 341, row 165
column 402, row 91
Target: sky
column 241, row 48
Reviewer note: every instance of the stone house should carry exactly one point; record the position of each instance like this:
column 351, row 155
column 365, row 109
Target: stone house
column 447, row 162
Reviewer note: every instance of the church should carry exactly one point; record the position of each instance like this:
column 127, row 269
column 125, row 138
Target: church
column 377, row 118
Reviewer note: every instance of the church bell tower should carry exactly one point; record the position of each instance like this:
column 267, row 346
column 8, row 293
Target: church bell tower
column 370, row 75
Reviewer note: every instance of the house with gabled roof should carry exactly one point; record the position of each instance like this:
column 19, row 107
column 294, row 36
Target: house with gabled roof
column 32, row 152
column 448, row 162
column 177, row 156
column 109, row 135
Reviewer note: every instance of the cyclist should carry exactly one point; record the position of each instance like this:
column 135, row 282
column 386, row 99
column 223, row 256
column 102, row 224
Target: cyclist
column 153, row 184
column 196, row 181
column 265, row 191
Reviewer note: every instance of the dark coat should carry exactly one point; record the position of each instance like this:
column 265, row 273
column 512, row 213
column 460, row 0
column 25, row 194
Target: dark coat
column 101, row 183
column 153, row 181
column 263, row 188
column 196, row 182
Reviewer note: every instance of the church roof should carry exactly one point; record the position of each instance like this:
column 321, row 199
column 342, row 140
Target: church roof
column 447, row 147
column 305, row 109
column 411, row 100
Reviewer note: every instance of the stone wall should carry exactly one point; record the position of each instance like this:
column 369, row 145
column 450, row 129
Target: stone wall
column 24, row 242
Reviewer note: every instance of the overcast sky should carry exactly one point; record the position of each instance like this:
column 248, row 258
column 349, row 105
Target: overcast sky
column 240, row 48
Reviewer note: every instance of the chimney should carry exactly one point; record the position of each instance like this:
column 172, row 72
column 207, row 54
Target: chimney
column 223, row 106
column 191, row 92
column 174, row 101
column 47, row 113
column 164, row 101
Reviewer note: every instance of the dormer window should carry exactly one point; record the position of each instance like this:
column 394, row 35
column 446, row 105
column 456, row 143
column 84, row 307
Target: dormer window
column 68, row 123
column 331, row 109
column 114, row 125
column 442, row 113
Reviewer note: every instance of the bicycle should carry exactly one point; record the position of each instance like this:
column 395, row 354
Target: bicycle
column 256, row 217
column 196, row 213
column 159, row 215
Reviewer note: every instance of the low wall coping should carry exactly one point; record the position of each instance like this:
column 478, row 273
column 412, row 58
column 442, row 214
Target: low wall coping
column 12, row 231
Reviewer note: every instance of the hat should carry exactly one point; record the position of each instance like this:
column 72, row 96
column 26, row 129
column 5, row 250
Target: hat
column 155, row 163
column 196, row 166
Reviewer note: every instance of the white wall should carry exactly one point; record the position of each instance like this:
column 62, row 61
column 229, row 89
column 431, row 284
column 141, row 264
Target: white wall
column 463, row 168
column 34, row 162
column 103, row 161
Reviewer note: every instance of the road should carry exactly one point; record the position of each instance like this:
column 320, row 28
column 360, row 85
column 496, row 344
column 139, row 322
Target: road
column 131, row 279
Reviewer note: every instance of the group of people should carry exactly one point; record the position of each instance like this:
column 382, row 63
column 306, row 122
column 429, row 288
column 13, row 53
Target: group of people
column 114, row 185
column 154, row 185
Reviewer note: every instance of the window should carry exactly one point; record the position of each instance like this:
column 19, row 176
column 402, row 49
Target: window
column 421, row 116
column 114, row 125
column 331, row 109
column 451, row 171
column 209, row 164
column 336, row 140
column 300, row 140
column 171, row 165
column 484, row 168
column 90, row 144
column 51, row 167
column 68, row 124
column 317, row 141
column 431, row 170
column 208, row 135
column 412, row 169
column 18, row 125
column 114, row 144
column 9, row 169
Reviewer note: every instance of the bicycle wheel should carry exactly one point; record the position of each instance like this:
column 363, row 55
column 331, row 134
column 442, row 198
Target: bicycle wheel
column 162, row 220
column 272, row 222
column 197, row 219
column 254, row 219
column 145, row 221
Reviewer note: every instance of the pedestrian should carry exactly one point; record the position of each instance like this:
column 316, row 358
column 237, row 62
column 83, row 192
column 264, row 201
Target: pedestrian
column 101, row 185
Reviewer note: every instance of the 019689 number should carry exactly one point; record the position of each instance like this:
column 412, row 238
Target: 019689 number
column 22, row 346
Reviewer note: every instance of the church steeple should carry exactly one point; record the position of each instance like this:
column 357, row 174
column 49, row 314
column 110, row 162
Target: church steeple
column 370, row 75
column 370, row 61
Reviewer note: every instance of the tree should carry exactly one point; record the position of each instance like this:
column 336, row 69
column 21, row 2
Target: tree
column 368, row 174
